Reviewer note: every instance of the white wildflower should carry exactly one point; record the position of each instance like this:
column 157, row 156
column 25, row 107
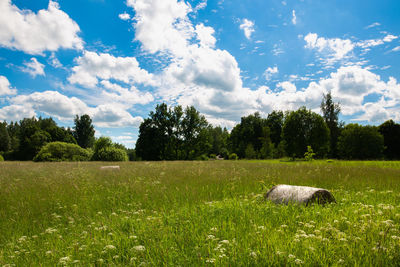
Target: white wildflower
column 139, row 248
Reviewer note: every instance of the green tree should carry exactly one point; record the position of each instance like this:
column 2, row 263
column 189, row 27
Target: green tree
column 5, row 142
column 31, row 138
column 194, row 132
column 250, row 130
column 391, row 134
column 360, row 142
column 250, row 153
column 84, row 131
column 304, row 128
column 330, row 111
column 275, row 122
column 173, row 134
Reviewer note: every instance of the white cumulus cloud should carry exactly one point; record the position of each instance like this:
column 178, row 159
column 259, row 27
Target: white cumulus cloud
column 33, row 67
column 335, row 48
column 269, row 72
column 92, row 67
column 5, row 87
column 48, row 30
column 248, row 27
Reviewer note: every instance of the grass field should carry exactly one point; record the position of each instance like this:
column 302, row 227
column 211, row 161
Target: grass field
column 197, row 214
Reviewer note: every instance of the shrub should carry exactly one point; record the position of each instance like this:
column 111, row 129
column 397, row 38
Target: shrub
column 111, row 154
column 105, row 150
column 233, row 156
column 309, row 155
column 1, row 158
column 60, row 151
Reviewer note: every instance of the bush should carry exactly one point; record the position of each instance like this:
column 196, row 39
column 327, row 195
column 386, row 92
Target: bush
column 233, row 156
column 60, row 151
column 111, row 154
column 105, row 150
column 1, row 158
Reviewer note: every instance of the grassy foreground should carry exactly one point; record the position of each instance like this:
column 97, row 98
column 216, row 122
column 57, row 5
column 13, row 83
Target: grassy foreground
column 196, row 214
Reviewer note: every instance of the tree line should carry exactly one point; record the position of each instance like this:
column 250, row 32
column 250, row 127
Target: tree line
column 175, row 133
column 43, row 140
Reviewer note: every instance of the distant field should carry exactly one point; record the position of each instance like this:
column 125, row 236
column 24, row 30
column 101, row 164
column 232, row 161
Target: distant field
column 197, row 214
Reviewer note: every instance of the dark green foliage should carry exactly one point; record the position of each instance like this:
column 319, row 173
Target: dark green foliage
column 60, row 151
column 250, row 130
column 391, row 134
column 111, row 154
column 304, row 128
column 170, row 134
column 84, row 131
column 5, row 142
column 360, row 142
column 29, row 135
column 330, row 111
column 105, row 150
column 275, row 122
column 249, row 152
column 219, row 141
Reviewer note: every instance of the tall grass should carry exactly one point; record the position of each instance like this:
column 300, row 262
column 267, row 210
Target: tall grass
column 196, row 214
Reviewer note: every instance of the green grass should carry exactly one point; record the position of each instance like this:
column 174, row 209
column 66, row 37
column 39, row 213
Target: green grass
column 197, row 214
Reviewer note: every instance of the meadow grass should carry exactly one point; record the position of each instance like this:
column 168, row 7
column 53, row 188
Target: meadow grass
column 197, row 214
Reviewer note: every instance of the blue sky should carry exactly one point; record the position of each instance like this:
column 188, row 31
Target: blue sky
column 116, row 60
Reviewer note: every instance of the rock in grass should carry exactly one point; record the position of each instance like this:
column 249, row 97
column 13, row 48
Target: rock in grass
column 109, row 167
column 299, row 194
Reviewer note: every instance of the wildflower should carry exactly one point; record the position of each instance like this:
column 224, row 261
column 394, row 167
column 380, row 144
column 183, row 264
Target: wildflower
column 50, row 230
column 298, row 261
column 225, row 242
column 253, row 254
column 64, row 260
column 210, row 237
column 109, row 247
column 291, row 256
column 139, row 248
column 210, row 260
column 132, row 237
column 49, row 252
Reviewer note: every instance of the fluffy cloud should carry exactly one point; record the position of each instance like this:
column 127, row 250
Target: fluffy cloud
column 335, row 49
column 248, row 28
column 33, row 67
column 269, row 72
column 205, row 35
column 124, row 16
column 48, row 30
column 113, row 116
column 65, row 108
column 16, row 112
column 128, row 97
column 375, row 42
column 162, row 25
column 52, row 103
column 5, row 87
column 92, row 67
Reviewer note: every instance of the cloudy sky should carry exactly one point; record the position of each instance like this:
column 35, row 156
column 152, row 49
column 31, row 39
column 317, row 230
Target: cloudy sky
column 116, row 60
